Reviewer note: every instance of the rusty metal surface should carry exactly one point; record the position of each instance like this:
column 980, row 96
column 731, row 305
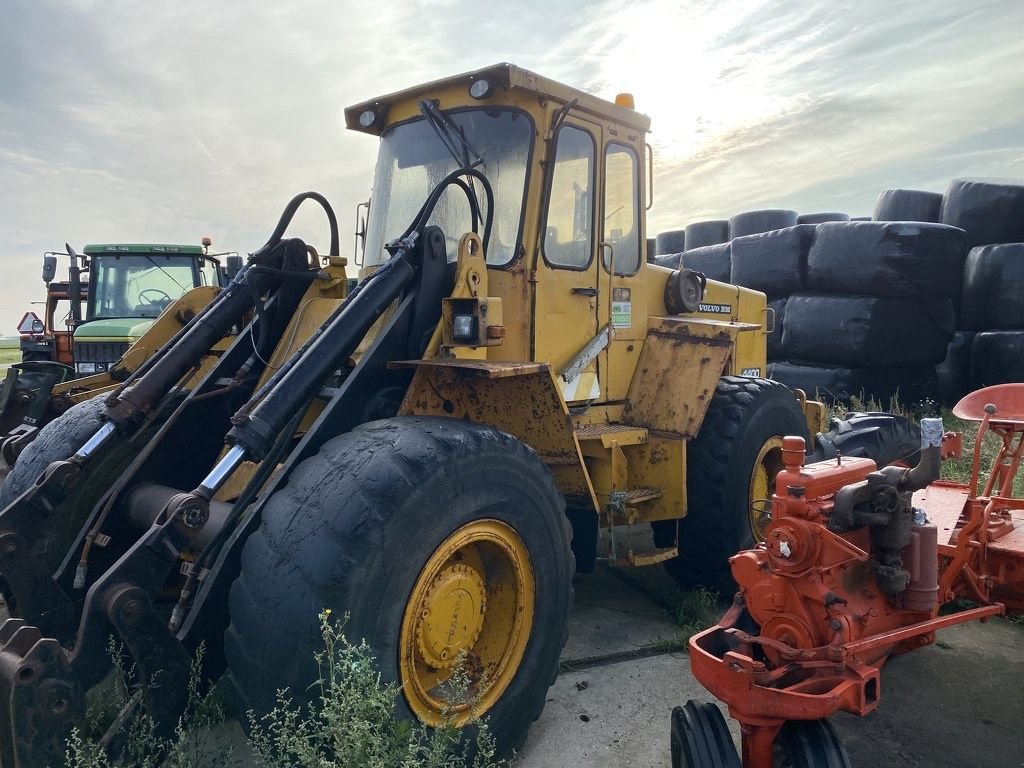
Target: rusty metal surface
column 521, row 399
column 943, row 502
column 676, row 374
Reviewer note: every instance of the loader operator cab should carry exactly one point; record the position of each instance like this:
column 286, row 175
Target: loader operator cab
column 565, row 252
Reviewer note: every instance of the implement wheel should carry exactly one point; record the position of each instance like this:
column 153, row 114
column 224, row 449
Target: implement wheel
column 809, row 744
column 700, row 738
column 730, row 474
column 444, row 542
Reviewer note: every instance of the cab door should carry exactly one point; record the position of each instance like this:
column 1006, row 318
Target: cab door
column 565, row 327
column 623, row 305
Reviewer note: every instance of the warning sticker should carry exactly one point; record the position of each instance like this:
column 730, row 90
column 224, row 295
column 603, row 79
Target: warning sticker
column 622, row 308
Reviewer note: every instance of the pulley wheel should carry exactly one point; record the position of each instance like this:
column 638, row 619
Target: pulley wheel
column 700, row 738
column 809, row 744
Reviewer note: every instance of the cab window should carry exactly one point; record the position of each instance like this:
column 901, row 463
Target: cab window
column 569, row 236
column 621, row 210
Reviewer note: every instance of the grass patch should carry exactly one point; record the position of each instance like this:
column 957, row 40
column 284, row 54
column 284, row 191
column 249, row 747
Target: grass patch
column 351, row 723
column 8, row 356
column 695, row 611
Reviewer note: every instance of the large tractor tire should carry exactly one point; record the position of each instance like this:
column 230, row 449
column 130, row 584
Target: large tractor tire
column 884, row 438
column 58, row 440
column 730, row 469
column 436, row 538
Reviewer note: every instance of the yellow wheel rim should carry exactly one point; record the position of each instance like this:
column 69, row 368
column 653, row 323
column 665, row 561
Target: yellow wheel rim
column 473, row 601
column 766, row 467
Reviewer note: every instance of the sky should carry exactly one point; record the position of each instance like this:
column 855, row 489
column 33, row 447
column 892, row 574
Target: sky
column 134, row 121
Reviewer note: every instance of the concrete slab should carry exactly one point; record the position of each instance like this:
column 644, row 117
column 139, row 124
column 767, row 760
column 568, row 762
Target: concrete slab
column 957, row 703
column 612, row 616
column 613, row 716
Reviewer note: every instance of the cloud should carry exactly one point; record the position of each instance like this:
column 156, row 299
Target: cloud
column 124, row 121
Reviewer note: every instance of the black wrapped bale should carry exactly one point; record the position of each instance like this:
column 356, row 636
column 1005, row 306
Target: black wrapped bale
column 713, row 260
column 989, row 210
column 755, row 222
column 888, row 386
column 704, row 233
column 997, row 357
column 821, row 218
column 893, row 259
column 775, row 349
column 908, row 205
column 953, row 375
column 993, row 289
column 670, row 260
column 867, row 331
column 772, row 262
column 673, row 241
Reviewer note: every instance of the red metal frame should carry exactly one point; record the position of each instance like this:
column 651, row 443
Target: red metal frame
column 808, row 632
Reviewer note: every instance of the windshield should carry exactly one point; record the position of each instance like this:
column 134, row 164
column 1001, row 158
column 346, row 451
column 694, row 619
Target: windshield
column 413, row 160
column 137, row 285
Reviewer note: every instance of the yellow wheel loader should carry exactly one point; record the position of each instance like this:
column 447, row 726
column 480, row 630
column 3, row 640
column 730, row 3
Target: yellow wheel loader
column 431, row 453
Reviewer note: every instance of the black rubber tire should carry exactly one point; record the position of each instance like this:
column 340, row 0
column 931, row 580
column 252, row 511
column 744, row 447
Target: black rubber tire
column 890, row 259
column 867, row 331
column 809, row 744
column 348, row 533
column 840, row 384
column 700, row 737
column 821, row 218
column 993, row 288
column 885, row 438
column 714, row 261
column 990, row 210
column 755, row 222
column 672, row 241
column 744, row 414
column 953, row 375
column 703, row 233
column 997, row 357
column 772, row 262
column 58, row 440
column 908, row 205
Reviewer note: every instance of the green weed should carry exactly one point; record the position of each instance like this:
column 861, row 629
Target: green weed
column 352, row 724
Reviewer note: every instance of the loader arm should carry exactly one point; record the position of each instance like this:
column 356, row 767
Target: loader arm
column 129, row 544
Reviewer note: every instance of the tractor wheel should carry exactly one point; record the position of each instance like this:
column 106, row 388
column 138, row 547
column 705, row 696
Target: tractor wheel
column 809, row 744
column 883, row 437
column 438, row 540
column 730, row 468
column 58, row 440
column 700, row 738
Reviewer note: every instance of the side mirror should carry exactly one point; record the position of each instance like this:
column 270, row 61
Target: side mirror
column 49, row 268
column 234, row 265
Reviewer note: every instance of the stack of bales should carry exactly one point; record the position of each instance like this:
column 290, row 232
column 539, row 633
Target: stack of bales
column 876, row 310
column 988, row 347
column 991, row 305
column 891, row 305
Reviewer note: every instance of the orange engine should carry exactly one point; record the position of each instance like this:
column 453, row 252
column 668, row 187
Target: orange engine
column 845, row 557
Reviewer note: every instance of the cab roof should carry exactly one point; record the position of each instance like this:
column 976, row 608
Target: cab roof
column 143, row 248
column 504, row 76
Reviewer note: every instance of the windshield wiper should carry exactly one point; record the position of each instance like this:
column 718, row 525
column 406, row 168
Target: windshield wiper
column 153, row 262
column 450, row 135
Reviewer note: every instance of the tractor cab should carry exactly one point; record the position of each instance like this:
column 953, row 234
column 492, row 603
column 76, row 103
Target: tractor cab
column 129, row 286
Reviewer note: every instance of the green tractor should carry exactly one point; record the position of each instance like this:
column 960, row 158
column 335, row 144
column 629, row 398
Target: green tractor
column 124, row 289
